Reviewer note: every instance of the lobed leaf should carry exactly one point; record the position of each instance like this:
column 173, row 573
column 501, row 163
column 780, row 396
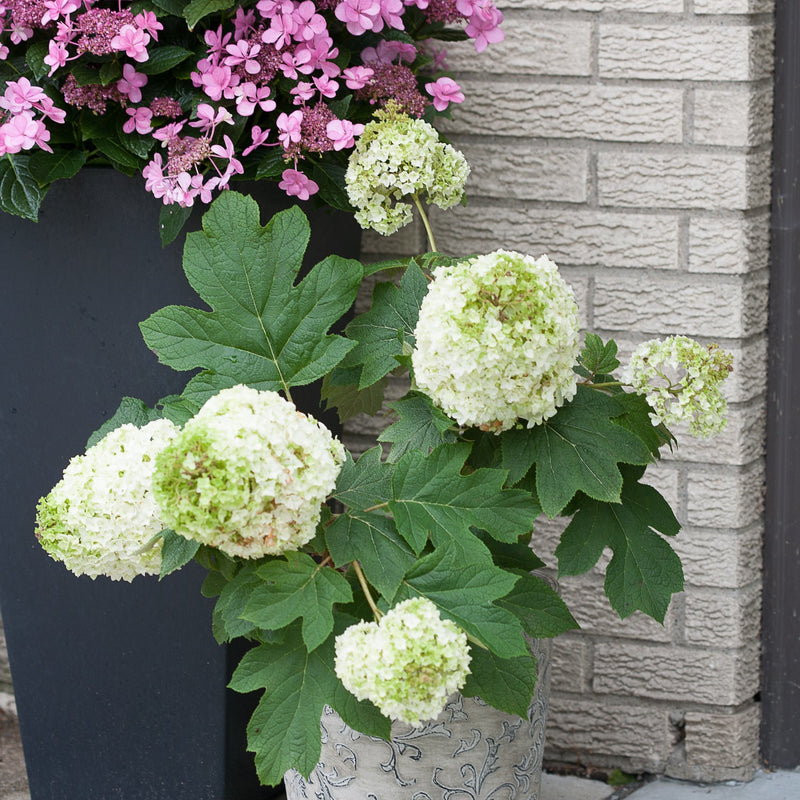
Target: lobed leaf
column 294, row 587
column 430, row 495
column 580, row 448
column 645, row 571
column 264, row 330
column 284, row 730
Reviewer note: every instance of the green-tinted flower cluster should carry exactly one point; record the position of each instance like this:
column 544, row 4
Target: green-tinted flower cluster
column 398, row 157
column 497, row 339
column 248, row 474
column 407, row 664
column 100, row 517
column 681, row 380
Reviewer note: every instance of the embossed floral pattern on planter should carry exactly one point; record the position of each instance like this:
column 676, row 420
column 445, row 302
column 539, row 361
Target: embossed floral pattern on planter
column 471, row 751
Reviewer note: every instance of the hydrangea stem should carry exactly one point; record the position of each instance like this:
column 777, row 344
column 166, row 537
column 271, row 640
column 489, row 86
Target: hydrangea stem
column 425, row 222
column 365, row 587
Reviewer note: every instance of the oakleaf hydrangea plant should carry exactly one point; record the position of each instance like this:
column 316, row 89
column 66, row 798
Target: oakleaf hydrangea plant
column 382, row 583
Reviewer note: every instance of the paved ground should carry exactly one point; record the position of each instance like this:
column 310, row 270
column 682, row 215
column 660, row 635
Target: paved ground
column 13, row 779
column 766, row 786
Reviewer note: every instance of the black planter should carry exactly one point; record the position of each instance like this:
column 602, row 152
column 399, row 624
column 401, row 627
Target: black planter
column 120, row 687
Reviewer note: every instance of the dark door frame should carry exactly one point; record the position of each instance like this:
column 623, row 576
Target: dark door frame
column 780, row 690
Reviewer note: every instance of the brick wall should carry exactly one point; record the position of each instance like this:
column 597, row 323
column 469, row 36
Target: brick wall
column 630, row 140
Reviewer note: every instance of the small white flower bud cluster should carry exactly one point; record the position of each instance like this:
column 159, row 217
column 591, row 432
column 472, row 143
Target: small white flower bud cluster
column 248, row 474
column 497, row 339
column 395, row 157
column 99, row 518
column 407, row 664
column 681, row 380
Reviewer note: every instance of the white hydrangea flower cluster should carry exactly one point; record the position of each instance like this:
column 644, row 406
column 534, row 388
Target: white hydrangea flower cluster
column 248, row 474
column 100, row 516
column 681, row 380
column 407, row 664
column 398, row 156
column 496, row 340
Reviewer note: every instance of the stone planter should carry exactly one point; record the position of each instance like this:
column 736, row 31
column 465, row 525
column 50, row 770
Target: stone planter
column 120, row 688
column 470, row 752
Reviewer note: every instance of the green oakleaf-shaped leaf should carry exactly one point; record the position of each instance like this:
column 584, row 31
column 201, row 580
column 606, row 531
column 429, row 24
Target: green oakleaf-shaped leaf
column 298, row 587
column 264, row 331
column 284, row 730
column 176, row 552
column 538, row 607
column 364, row 483
column 20, row 194
column 579, row 449
column 504, row 683
column 421, row 426
column 463, row 589
column 386, row 331
column 432, row 496
column 644, row 572
column 372, row 538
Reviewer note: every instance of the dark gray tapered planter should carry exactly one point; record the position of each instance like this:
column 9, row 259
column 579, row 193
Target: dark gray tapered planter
column 120, row 687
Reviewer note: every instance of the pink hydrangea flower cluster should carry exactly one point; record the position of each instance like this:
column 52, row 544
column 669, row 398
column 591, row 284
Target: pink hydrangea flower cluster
column 22, row 109
column 277, row 68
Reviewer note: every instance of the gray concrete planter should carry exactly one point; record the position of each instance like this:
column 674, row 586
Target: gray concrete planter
column 470, row 752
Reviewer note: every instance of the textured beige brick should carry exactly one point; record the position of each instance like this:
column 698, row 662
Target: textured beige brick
column 723, row 740
column 589, row 726
column 733, row 6
column 740, row 443
column 531, row 47
column 525, row 171
column 729, row 245
column 569, row 668
column 725, row 498
column 749, row 376
column 584, row 596
column 668, row 6
column 569, row 236
column 692, row 180
column 609, row 113
column 740, row 117
column 546, row 536
column 723, row 617
column 665, row 304
column 687, row 674
column 685, row 52
column 720, row 559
